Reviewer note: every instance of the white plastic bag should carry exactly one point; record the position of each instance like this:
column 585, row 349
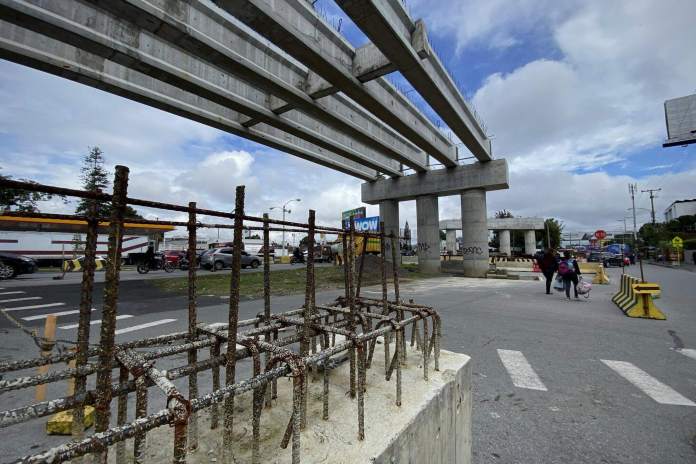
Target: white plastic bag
column 558, row 284
column 584, row 288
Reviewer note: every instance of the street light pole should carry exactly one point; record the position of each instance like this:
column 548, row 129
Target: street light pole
column 632, row 188
column 285, row 210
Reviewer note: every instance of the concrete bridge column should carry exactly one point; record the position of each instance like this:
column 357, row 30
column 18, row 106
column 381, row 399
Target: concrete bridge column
column 474, row 233
column 451, row 240
column 529, row 242
column 504, row 239
column 428, row 224
column 389, row 215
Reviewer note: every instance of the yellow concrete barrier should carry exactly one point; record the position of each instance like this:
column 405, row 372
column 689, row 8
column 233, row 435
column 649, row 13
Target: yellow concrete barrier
column 635, row 298
column 74, row 265
column 600, row 277
column 61, row 423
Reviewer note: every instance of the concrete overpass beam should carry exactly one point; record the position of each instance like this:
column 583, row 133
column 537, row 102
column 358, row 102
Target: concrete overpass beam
column 389, row 215
column 529, row 242
column 474, row 233
column 428, row 231
column 49, row 55
column 390, row 28
column 504, row 239
column 331, row 56
column 492, row 175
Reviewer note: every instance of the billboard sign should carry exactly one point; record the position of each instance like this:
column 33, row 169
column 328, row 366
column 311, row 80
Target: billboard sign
column 680, row 117
column 356, row 213
column 370, row 224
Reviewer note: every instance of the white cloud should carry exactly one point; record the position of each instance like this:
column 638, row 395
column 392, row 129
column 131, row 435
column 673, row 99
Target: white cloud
column 604, row 98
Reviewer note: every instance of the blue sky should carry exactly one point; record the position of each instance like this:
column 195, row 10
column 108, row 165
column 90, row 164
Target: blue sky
column 571, row 93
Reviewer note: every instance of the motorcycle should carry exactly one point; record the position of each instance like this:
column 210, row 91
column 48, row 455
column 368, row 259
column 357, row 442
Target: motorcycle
column 296, row 260
column 158, row 263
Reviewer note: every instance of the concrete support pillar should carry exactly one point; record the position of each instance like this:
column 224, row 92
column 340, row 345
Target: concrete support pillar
column 389, row 214
column 451, row 236
column 474, row 233
column 504, row 239
column 428, row 224
column 529, row 242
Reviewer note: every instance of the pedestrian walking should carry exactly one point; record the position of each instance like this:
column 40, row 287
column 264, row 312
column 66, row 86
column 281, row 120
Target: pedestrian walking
column 548, row 265
column 569, row 270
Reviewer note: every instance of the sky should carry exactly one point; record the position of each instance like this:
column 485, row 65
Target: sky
column 570, row 92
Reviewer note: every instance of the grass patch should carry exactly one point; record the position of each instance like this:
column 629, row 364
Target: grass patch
column 285, row 282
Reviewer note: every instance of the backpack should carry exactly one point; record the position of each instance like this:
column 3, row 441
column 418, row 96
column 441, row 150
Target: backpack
column 565, row 267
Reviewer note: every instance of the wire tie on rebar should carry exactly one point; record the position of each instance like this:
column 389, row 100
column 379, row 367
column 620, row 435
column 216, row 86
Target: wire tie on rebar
column 180, row 417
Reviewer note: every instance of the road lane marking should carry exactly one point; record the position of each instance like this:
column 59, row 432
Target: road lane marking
column 47, row 305
column 649, row 385
column 95, row 322
column 143, row 326
column 521, row 372
column 26, row 298
column 12, row 293
column 58, row 314
column 687, row 352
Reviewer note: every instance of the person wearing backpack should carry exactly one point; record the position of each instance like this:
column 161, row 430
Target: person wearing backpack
column 568, row 269
column 548, row 265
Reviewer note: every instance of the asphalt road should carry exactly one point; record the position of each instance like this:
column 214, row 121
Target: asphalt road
column 555, row 381
column 48, row 278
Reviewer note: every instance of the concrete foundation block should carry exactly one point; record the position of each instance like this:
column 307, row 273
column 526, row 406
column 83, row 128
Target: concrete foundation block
column 433, row 424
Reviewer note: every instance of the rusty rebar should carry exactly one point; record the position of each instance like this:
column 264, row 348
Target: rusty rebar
column 267, row 291
column 362, row 265
column 110, row 305
column 122, row 415
column 139, row 439
column 233, row 318
column 351, row 301
column 192, row 321
column 395, row 266
column 308, row 310
column 83, row 326
column 214, row 354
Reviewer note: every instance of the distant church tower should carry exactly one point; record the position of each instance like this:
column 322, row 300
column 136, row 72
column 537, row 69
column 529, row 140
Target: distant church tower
column 407, row 237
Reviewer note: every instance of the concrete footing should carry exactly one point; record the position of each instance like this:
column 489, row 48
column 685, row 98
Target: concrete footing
column 428, row 231
column 433, row 424
column 474, row 233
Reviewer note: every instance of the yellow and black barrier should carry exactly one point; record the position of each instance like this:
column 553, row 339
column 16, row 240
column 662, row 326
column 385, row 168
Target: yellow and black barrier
column 635, row 298
column 74, row 265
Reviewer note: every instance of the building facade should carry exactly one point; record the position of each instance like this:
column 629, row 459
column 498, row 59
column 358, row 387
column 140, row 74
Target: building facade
column 680, row 208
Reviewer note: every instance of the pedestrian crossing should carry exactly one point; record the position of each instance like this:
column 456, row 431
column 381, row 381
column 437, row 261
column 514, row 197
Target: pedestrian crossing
column 522, row 375
column 39, row 312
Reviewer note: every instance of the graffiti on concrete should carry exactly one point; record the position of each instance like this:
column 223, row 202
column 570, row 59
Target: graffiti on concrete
column 472, row 250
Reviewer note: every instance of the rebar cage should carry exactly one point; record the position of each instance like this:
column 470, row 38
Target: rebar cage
column 311, row 345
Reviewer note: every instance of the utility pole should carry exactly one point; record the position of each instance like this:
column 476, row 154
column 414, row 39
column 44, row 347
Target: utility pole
column 632, row 189
column 652, row 203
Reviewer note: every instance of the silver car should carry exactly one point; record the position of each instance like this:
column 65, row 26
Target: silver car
column 217, row 259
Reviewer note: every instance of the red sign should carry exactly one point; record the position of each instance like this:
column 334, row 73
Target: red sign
column 600, row 234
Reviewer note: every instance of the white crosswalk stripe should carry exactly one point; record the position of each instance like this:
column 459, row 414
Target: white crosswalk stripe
column 521, row 372
column 95, row 322
column 58, row 314
column 12, row 293
column 687, row 352
column 144, row 326
column 41, row 306
column 26, row 298
column 649, row 385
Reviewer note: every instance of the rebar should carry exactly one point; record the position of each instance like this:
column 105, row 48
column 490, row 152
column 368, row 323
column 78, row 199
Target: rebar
column 350, row 316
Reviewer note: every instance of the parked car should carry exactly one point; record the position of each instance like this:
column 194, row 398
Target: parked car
column 595, row 257
column 173, row 257
column 610, row 260
column 220, row 258
column 12, row 265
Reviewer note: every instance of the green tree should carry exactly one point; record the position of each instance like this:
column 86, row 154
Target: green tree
column 21, row 200
column 95, row 177
column 555, row 228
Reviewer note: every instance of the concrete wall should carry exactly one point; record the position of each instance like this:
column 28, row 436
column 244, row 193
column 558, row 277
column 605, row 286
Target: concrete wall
column 474, row 233
column 428, row 231
column 441, row 432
